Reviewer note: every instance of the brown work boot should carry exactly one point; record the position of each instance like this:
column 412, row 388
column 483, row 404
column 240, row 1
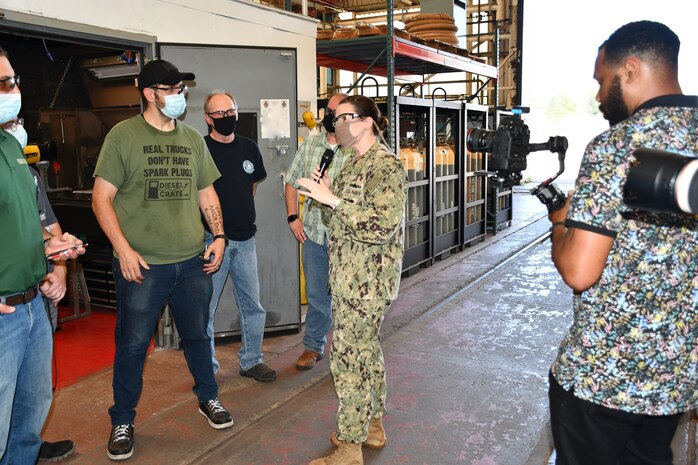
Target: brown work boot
column 347, row 453
column 376, row 435
column 308, row 359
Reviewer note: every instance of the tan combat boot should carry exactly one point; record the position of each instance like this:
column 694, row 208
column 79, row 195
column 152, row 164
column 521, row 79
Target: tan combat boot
column 376, row 435
column 347, row 453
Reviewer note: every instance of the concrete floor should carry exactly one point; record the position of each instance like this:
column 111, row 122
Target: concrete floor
column 467, row 344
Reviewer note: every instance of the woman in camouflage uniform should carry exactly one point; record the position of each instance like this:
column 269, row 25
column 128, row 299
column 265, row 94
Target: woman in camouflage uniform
column 366, row 228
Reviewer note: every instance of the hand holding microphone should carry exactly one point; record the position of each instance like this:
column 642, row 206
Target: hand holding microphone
column 319, row 191
column 325, row 162
column 318, row 188
column 319, row 175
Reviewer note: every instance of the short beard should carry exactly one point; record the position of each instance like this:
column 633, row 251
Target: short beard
column 614, row 108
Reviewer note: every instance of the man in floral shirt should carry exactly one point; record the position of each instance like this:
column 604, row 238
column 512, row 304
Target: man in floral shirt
column 628, row 367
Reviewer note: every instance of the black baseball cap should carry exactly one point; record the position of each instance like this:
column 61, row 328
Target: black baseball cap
column 161, row 72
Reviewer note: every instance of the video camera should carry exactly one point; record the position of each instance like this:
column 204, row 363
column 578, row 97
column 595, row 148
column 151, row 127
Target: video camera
column 509, row 146
column 662, row 181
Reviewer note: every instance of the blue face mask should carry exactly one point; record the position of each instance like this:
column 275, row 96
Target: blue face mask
column 9, row 106
column 20, row 134
column 174, row 106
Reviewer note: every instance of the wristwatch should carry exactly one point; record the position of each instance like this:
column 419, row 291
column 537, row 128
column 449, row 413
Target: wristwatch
column 292, row 218
column 221, row 236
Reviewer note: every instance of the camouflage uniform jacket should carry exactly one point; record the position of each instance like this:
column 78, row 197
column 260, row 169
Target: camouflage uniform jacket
column 366, row 230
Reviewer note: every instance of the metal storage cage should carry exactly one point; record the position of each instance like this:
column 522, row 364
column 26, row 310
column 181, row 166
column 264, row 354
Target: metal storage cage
column 413, row 135
column 447, row 146
column 474, row 179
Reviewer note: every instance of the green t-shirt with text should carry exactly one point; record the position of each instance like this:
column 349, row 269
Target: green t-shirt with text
column 158, row 175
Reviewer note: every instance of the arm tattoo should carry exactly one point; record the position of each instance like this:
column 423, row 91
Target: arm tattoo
column 214, row 218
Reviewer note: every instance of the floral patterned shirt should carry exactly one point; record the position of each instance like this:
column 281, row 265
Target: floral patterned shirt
column 633, row 344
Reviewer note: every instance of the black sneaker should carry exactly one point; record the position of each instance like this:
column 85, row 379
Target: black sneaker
column 260, row 372
column 55, row 451
column 218, row 416
column 120, row 442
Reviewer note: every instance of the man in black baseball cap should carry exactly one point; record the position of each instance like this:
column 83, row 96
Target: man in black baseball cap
column 153, row 176
column 161, row 72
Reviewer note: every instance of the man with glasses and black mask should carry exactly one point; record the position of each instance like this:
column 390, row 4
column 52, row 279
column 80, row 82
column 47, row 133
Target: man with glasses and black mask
column 25, row 327
column 153, row 176
column 240, row 163
column 311, row 232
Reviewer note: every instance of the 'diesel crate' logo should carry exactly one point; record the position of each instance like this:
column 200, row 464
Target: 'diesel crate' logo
column 168, row 189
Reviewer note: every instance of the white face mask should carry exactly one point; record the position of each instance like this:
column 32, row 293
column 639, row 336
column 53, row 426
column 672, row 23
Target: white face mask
column 20, row 134
column 9, row 106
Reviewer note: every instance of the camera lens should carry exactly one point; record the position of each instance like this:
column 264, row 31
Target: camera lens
column 479, row 140
column 662, row 181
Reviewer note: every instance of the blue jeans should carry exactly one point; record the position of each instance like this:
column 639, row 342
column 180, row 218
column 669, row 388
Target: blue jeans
column 318, row 319
column 26, row 345
column 240, row 262
column 187, row 290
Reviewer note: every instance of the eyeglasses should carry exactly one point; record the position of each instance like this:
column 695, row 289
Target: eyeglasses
column 183, row 89
column 329, row 111
column 345, row 117
column 12, row 125
column 223, row 113
column 9, row 82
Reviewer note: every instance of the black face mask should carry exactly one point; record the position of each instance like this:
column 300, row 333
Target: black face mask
column 225, row 126
column 327, row 122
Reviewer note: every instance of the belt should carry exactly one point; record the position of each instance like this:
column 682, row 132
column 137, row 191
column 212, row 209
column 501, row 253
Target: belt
column 21, row 297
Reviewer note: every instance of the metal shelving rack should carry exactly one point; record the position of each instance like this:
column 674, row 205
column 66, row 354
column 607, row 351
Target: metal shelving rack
column 411, row 60
column 446, row 205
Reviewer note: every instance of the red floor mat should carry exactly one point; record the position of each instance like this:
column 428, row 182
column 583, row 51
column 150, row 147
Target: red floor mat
column 83, row 346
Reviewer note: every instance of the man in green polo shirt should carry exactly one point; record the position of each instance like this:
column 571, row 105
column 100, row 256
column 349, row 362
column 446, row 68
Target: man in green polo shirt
column 25, row 329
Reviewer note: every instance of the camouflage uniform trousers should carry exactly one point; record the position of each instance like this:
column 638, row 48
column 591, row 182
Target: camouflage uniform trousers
column 357, row 365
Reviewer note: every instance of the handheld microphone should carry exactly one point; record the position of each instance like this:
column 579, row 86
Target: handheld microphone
column 325, row 162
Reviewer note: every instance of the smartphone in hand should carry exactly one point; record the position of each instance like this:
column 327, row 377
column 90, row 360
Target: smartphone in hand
column 54, row 255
